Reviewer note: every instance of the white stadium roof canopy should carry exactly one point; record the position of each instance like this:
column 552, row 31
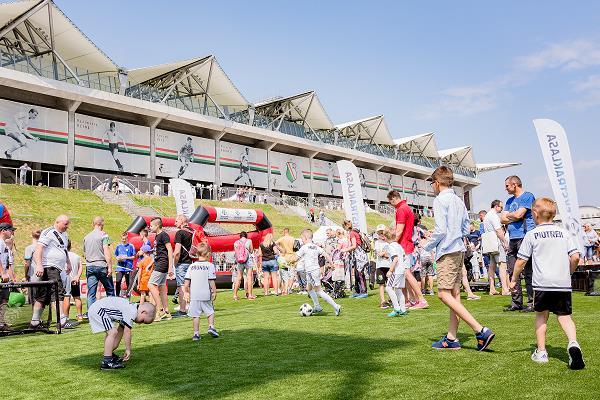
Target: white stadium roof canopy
column 423, row 145
column 494, row 166
column 40, row 27
column 304, row 108
column 373, row 129
column 460, row 156
column 196, row 76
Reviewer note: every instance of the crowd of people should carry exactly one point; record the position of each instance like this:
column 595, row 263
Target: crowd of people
column 404, row 260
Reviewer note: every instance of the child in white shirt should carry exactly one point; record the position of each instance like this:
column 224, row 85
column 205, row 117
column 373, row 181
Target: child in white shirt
column 396, row 275
column 200, row 291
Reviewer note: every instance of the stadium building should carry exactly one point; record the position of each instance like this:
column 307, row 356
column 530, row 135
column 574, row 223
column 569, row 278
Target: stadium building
column 67, row 107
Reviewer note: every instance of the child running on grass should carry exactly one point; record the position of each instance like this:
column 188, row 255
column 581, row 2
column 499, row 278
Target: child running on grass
column 451, row 225
column 145, row 266
column 104, row 312
column 200, row 291
column 309, row 254
column 396, row 277
column 555, row 257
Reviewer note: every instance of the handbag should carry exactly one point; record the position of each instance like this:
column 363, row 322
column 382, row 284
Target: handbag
column 490, row 243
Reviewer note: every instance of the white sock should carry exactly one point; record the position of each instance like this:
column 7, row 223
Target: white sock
column 573, row 343
column 37, row 314
column 394, row 297
column 314, row 298
column 328, row 299
column 401, row 300
column 197, row 333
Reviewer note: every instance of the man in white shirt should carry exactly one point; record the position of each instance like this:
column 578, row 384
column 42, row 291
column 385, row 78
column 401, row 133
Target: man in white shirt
column 309, row 253
column 23, row 169
column 492, row 226
column 51, row 258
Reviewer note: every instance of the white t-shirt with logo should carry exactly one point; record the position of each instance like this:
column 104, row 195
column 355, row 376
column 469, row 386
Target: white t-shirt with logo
column 54, row 254
column 199, row 274
column 549, row 246
column 309, row 253
column 75, row 260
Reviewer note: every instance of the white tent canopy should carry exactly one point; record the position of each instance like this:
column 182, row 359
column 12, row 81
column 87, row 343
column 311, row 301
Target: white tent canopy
column 196, row 76
column 373, row 128
column 423, row 145
column 304, row 108
column 460, row 156
column 494, row 166
column 40, row 26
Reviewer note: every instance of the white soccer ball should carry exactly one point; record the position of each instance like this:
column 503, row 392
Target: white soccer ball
column 306, row 310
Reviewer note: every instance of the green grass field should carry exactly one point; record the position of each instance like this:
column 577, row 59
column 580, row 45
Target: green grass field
column 267, row 350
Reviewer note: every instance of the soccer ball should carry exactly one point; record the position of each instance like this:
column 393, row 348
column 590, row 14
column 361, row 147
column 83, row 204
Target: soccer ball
column 306, row 310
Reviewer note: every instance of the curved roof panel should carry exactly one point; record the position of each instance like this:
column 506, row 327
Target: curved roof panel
column 371, row 128
column 304, row 108
column 461, row 156
column 423, row 145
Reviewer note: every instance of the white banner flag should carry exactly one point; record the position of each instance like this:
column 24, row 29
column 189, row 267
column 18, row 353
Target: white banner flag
column 354, row 204
column 184, row 195
column 557, row 155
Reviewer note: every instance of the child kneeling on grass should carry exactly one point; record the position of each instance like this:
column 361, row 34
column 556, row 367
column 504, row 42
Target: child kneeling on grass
column 200, row 291
column 555, row 256
column 104, row 312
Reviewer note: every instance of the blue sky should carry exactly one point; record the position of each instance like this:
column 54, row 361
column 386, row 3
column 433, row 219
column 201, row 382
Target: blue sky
column 475, row 73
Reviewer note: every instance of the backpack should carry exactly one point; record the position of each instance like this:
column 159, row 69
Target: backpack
column 241, row 252
column 365, row 242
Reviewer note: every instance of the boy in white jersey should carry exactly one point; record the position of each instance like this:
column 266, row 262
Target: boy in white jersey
column 555, row 256
column 104, row 312
column 382, row 263
column 396, row 277
column 200, row 291
column 309, row 254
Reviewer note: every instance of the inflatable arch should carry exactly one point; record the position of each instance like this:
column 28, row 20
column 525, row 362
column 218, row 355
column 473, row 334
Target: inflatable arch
column 203, row 215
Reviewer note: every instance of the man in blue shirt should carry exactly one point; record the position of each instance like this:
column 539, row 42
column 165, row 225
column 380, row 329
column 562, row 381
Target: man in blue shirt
column 125, row 253
column 519, row 218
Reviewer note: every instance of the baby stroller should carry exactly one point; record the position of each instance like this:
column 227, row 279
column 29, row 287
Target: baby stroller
column 333, row 280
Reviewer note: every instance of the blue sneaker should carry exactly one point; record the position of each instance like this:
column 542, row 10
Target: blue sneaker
column 353, row 295
column 394, row 313
column 213, row 332
column 484, row 338
column 362, row 296
column 446, row 344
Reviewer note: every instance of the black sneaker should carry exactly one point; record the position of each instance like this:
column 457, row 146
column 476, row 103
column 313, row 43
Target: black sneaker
column 108, row 365
column 179, row 314
column 117, row 359
column 39, row 327
column 527, row 309
column 513, row 308
column 575, row 357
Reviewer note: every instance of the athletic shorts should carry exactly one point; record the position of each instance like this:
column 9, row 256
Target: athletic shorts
column 313, row 278
column 285, row 274
column 449, row 270
column 113, row 146
column 381, row 276
column 558, row 303
column 495, row 257
column 427, row 268
column 199, row 307
column 180, row 271
column 47, row 294
column 101, row 323
column 158, row 278
column 396, row 281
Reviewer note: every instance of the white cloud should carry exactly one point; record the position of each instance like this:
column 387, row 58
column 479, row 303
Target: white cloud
column 582, row 165
column 576, row 54
column 588, row 91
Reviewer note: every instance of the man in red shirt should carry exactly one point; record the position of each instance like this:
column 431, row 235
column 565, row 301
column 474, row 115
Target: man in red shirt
column 405, row 223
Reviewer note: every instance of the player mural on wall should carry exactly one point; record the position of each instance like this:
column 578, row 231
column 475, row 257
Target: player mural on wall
column 113, row 137
column 363, row 181
column 415, row 190
column 186, row 156
column 244, row 168
column 330, row 176
column 18, row 132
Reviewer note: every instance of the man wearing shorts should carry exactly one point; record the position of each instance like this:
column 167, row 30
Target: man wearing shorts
column 51, row 258
column 163, row 269
column 182, row 259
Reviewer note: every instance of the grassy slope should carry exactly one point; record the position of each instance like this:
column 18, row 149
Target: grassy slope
column 374, row 219
column 37, row 207
column 268, row 351
column 166, row 206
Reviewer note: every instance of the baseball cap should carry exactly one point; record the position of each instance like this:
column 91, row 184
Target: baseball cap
column 5, row 226
column 146, row 249
column 380, row 227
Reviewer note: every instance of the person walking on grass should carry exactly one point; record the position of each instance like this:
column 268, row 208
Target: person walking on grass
column 51, row 258
column 98, row 257
column 555, row 256
column 72, row 284
column 451, row 225
column 491, row 223
column 517, row 214
column 243, row 250
column 405, row 221
column 163, row 269
column 268, row 252
column 182, row 258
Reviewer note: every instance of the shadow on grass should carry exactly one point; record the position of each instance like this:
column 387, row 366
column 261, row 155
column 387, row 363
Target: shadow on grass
column 245, row 359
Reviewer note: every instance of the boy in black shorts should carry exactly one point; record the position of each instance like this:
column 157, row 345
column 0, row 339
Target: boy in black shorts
column 555, row 255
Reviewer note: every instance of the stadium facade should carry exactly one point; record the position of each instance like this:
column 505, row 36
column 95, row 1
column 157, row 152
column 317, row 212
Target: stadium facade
column 66, row 106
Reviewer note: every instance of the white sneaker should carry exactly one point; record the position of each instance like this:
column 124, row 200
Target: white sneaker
column 539, row 356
